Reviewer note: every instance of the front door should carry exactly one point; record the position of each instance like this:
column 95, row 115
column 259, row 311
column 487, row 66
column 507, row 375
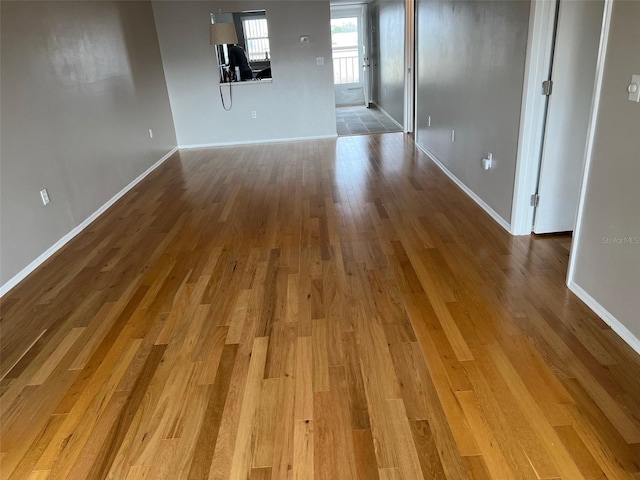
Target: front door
column 348, row 48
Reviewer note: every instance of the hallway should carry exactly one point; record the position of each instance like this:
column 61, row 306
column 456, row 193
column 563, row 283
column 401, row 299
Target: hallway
column 360, row 120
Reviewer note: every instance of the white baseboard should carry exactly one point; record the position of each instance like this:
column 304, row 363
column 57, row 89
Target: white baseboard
column 17, row 278
column 499, row 220
column 615, row 324
column 254, row 142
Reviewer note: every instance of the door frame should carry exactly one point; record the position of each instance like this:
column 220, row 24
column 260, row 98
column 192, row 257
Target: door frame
column 577, row 39
column 367, row 41
column 542, row 19
column 533, row 113
column 409, row 66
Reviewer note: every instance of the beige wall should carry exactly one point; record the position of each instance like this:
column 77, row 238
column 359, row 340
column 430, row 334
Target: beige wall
column 81, row 84
column 608, row 251
column 470, row 73
column 299, row 103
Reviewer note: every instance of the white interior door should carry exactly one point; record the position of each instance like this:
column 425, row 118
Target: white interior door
column 573, row 75
column 347, row 41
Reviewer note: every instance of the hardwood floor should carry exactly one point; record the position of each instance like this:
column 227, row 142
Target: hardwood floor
column 316, row 310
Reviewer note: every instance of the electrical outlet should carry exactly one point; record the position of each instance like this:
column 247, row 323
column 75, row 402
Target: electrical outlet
column 453, row 136
column 254, row 114
column 150, row 133
column 319, row 61
column 634, row 89
column 45, row 196
column 487, row 163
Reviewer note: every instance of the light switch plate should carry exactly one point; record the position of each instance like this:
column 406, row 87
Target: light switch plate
column 44, row 194
column 634, row 96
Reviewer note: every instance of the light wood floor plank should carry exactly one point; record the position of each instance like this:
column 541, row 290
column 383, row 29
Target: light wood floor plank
column 331, row 309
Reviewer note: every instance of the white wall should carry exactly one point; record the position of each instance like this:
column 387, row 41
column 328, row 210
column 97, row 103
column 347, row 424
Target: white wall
column 81, row 84
column 607, row 249
column 390, row 34
column 470, row 73
column 298, row 104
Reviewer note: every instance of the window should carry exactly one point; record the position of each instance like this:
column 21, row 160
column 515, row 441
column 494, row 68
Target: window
column 344, row 42
column 256, row 35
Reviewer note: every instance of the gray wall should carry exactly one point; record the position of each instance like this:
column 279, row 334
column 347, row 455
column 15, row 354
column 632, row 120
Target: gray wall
column 605, row 268
column 470, row 73
column 82, row 83
column 300, row 101
column 390, row 33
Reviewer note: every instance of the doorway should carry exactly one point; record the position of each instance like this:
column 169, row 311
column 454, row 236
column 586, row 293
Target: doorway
column 559, row 90
column 350, row 52
column 573, row 76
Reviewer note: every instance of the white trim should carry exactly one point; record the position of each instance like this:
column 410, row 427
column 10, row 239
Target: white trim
column 537, row 67
column 17, row 278
column 367, row 72
column 409, row 66
column 595, row 108
column 253, row 142
column 615, row 324
column 499, row 220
